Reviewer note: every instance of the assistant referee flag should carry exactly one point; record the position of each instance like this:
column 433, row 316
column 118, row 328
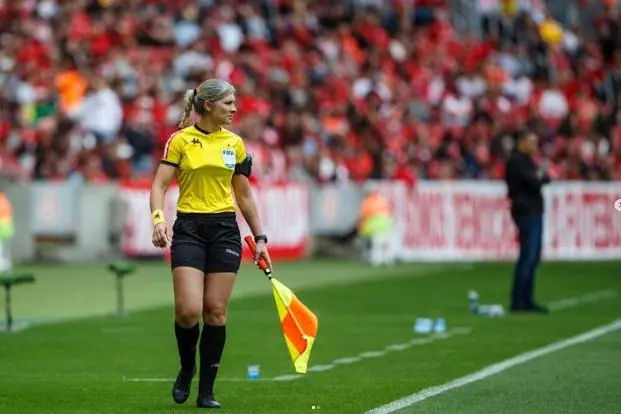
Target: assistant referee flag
column 299, row 325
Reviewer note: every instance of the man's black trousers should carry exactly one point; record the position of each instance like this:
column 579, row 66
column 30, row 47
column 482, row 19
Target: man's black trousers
column 530, row 231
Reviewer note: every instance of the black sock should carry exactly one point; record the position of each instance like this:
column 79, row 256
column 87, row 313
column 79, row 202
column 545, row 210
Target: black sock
column 187, row 338
column 211, row 347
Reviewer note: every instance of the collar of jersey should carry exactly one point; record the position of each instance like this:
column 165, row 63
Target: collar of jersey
column 202, row 131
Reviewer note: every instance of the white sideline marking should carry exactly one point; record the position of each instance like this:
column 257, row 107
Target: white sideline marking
column 348, row 360
column 286, row 377
column 393, row 347
column 341, row 361
column 375, row 354
column 320, row 368
column 419, row 341
column 580, row 300
column 494, row 369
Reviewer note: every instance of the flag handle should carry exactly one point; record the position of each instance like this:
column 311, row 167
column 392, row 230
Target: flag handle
column 261, row 263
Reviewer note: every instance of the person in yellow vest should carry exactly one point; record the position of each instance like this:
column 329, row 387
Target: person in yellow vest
column 6, row 232
column 376, row 228
column 509, row 8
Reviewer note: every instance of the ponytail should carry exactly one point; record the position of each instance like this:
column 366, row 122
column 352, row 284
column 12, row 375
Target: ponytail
column 188, row 101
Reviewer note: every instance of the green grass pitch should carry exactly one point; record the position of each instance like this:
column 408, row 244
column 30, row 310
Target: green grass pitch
column 366, row 353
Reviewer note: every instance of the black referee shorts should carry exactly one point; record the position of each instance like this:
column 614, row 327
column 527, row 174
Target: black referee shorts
column 210, row 243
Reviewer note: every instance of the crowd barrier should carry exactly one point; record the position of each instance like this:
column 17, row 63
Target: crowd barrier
column 436, row 221
column 448, row 221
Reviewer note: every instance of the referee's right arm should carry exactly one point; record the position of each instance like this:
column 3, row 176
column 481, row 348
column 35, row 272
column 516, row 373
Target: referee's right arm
column 163, row 177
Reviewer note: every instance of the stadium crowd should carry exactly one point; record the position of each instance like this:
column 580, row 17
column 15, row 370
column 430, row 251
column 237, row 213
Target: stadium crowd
column 327, row 90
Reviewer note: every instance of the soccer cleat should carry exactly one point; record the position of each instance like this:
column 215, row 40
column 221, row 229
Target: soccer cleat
column 181, row 387
column 207, row 400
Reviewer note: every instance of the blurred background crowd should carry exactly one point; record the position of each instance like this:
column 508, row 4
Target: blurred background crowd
column 327, row 90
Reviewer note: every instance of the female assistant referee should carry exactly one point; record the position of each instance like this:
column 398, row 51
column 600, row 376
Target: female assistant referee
column 210, row 163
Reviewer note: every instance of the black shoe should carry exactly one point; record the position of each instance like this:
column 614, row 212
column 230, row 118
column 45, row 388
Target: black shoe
column 207, row 400
column 181, row 388
column 532, row 308
column 539, row 308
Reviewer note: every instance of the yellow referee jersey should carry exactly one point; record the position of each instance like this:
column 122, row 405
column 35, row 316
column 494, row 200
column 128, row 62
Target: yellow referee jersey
column 205, row 164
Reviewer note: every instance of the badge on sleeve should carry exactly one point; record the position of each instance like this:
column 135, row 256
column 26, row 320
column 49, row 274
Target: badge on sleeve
column 228, row 157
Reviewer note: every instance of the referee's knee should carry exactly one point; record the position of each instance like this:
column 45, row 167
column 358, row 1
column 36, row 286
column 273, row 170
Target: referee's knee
column 187, row 316
column 214, row 314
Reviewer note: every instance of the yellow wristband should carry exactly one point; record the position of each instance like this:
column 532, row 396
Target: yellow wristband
column 157, row 217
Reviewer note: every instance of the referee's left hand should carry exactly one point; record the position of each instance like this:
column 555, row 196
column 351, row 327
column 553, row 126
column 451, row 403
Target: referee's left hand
column 261, row 252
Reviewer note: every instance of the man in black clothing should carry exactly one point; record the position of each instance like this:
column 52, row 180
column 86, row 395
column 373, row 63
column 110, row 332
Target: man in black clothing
column 524, row 181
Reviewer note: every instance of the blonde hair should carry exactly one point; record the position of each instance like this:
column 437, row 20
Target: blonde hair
column 209, row 91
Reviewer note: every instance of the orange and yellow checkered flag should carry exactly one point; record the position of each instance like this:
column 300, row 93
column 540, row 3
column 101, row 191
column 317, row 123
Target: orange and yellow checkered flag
column 299, row 325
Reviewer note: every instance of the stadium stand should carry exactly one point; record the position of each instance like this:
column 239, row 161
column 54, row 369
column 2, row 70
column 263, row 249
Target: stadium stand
column 328, row 90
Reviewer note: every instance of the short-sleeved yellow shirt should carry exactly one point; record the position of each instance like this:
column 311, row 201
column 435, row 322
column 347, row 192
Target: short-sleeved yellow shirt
column 205, row 165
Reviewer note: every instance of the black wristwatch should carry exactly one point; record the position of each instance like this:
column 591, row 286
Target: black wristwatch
column 260, row 237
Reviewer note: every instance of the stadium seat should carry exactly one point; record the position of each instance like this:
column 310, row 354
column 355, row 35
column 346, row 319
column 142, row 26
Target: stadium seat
column 9, row 281
column 121, row 269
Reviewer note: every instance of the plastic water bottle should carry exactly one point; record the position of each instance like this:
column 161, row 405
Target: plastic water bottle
column 473, row 302
column 254, row 372
column 497, row 310
column 423, row 325
column 439, row 326
column 494, row 311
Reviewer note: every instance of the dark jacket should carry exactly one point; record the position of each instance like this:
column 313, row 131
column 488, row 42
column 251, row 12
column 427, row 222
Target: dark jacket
column 524, row 181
